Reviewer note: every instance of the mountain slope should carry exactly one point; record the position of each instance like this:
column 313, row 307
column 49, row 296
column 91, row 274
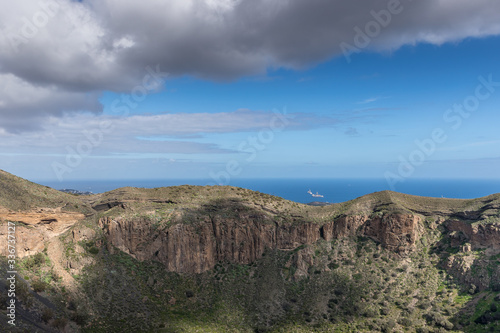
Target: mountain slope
column 226, row 259
column 18, row 194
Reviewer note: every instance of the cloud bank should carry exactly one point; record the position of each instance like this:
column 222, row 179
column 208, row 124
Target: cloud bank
column 180, row 133
column 57, row 56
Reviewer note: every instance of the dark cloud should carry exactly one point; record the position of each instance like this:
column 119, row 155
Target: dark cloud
column 70, row 49
column 24, row 106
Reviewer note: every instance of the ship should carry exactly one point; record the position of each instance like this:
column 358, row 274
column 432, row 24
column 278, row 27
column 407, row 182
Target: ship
column 317, row 195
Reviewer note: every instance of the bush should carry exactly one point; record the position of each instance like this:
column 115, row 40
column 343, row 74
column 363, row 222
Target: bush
column 333, row 265
column 493, row 307
column 439, row 320
column 93, row 250
column 35, row 261
column 473, row 289
column 422, row 330
column 71, row 305
column 22, row 291
column 79, row 318
column 47, row 314
column 424, row 305
column 371, row 313
column 388, row 326
column 385, row 311
column 38, row 285
column 60, row 323
column 405, row 322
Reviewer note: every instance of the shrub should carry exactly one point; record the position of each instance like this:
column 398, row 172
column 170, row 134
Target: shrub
column 79, row 318
column 60, row 323
column 422, row 330
column 93, row 250
column 388, row 326
column 22, row 291
column 439, row 320
column 406, row 322
column 47, row 314
column 35, row 261
column 493, row 307
column 371, row 313
column 424, row 305
column 38, row 285
column 473, row 289
column 385, row 311
column 333, row 265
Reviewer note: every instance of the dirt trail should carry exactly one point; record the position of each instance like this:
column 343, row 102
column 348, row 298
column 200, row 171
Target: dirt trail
column 55, row 250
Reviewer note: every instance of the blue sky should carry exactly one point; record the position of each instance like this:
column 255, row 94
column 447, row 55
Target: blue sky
column 275, row 105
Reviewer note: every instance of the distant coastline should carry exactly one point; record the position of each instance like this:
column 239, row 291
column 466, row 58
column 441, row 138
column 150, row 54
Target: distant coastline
column 334, row 190
column 76, row 192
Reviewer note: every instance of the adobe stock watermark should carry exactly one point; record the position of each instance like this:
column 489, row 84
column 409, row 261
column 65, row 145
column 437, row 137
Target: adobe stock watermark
column 454, row 118
column 372, row 29
column 120, row 106
column 11, row 273
column 252, row 145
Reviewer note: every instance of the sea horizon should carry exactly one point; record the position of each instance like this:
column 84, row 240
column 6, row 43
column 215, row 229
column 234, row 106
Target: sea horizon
column 331, row 190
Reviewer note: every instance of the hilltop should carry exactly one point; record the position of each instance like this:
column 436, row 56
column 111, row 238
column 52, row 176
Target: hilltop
column 221, row 258
column 18, row 194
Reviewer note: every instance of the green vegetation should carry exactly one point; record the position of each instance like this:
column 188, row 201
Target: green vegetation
column 347, row 284
column 377, row 292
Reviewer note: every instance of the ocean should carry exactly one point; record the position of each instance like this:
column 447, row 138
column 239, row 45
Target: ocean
column 333, row 190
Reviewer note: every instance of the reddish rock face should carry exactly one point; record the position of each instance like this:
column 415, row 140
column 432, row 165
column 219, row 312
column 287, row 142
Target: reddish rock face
column 28, row 241
column 478, row 235
column 348, row 225
column 192, row 248
column 34, row 228
column 197, row 247
column 396, row 232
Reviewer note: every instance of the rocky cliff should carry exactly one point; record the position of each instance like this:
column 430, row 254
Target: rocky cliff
column 195, row 248
column 478, row 235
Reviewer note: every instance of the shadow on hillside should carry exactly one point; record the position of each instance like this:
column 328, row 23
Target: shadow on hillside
column 232, row 208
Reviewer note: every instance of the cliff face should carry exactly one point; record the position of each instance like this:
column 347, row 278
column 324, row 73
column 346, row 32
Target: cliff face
column 478, row 235
column 195, row 248
column 35, row 227
column 397, row 232
column 477, row 263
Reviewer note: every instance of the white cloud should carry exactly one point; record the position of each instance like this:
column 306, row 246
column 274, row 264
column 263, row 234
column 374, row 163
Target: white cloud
column 369, row 100
column 62, row 48
column 180, row 133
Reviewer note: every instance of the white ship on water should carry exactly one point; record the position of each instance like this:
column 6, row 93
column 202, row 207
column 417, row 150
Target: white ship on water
column 317, row 195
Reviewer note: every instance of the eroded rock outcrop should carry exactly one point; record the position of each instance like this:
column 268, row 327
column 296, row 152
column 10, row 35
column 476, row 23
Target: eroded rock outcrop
column 34, row 228
column 398, row 233
column 197, row 247
column 479, row 235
